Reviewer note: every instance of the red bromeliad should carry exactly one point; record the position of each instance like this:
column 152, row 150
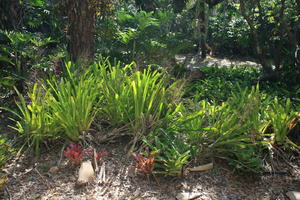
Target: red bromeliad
column 74, row 153
column 144, row 164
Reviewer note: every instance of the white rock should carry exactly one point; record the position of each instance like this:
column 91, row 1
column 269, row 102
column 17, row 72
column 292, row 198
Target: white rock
column 293, row 195
column 86, row 173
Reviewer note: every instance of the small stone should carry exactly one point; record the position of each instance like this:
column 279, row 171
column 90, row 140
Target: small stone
column 293, row 195
column 187, row 196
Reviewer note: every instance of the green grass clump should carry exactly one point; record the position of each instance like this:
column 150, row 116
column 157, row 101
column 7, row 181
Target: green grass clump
column 60, row 109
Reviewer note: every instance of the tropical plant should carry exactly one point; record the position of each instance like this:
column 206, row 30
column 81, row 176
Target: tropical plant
column 231, row 131
column 144, row 164
column 172, row 151
column 139, row 100
column 72, row 102
column 220, row 82
column 280, row 117
column 75, row 153
column 20, row 51
column 35, row 123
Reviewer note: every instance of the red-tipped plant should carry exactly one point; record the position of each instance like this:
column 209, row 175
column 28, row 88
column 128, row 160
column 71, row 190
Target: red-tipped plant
column 144, row 164
column 74, row 153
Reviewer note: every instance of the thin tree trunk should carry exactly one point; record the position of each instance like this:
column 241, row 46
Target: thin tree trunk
column 202, row 33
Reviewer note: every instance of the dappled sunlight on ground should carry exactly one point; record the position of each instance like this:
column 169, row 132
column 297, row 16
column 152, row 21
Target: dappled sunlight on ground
column 193, row 61
column 31, row 180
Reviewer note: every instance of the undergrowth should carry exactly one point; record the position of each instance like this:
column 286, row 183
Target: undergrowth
column 221, row 116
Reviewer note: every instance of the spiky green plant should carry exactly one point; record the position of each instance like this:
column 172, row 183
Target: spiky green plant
column 230, row 131
column 280, row 117
column 72, row 103
column 138, row 99
column 171, row 149
column 35, row 122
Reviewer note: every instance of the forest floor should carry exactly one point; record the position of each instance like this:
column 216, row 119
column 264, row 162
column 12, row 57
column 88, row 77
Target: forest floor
column 31, row 178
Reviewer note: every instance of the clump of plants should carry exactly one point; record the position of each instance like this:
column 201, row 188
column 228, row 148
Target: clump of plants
column 35, row 122
column 57, row 109
column 138, row 100
column 73, row 102
column 281, row 118
column 171, row 149
column 233, row 131
column 220, row 82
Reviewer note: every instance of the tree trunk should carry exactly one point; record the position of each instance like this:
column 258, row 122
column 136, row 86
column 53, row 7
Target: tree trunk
column 81, row 18
column 11, row 14
column 285, row 27
column 257, row 43
column 201, row 27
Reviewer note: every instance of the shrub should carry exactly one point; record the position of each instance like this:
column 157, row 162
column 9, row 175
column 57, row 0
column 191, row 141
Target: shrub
column 220, row 82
